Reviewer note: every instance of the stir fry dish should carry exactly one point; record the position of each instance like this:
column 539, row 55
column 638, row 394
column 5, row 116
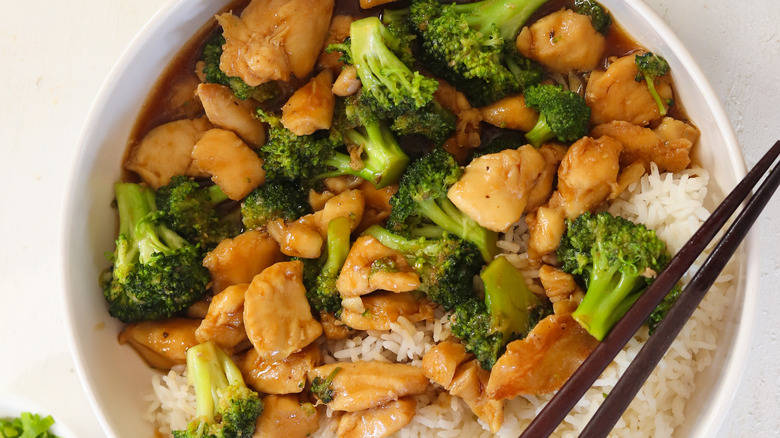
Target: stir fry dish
column 314, row 174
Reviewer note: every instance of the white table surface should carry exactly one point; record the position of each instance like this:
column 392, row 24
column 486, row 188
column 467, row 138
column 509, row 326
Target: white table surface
column 54, row 56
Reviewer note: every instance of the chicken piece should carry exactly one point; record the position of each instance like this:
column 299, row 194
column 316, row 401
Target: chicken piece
column 644, row 145
column 467, row 136
column 546, row 226
column 441, row 362
column 274, row 39
column 277, row 316
column 450, row 98
column 338, row 31
column 588, row 174
column 364, row 385
column 383, row 308
column 166, row 151
column 377, row 204
column 494, row 188
column 311, row 107
column 285, row 416
column 300, row 238
column 238, row 260
column 563, row 41
column 543, row 361
column 334, row 328
column 379, row 422
column 511, row 113
column 469, row 384
column 224, row 322
column 372, row 266
column 557, row 284
column 162, row 344
column 180, row 99
column 349, row 203
column 616, row 95
column 287, row 376
column 347, row 83
column 233, row 166
column 225, row 110
column 543, row 187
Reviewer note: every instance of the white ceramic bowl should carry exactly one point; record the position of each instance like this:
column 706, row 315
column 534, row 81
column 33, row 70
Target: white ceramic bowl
column 114, row 376
column 12, row 407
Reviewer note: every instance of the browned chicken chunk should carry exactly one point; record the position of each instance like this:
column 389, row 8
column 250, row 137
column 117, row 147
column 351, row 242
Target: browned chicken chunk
column 511, row 113
column 224, row 322
column 162, row 344
column 441, row 362
column 300, row 238
column 543, row 187
column 285, row 416
column 372, row 266
column 616, row 95
column 349, row 203
column 310, row 108
column 563, row 41
column 225, row 110
column 588, row 174
column 287, row 376
column 347, row 83
column 274, row 39
column 557, row 284
column 358, row 386
column 337, row 32
column 543, row 361
column 277, row 315
column 233, row 166
column 383, row 308
column 238, row 260
column 494, row 188
column 379, row 422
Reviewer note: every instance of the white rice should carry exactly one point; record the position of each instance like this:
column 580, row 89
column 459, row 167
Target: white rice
column 670, row 204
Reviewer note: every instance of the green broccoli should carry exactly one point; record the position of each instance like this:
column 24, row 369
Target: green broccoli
column 192, row 211
column 313, row 157
column 422, row 196
column 321, row 387
column 156, row 273
column 432, row 122
column 651, row 67
column 446, row 264
column 509, row 311
column 212, row 52
column 321, row 290
column 390, row 87
column 562, row 114
column 617, row 259
column 599, row 17
column 226, row 407
column 274, row 200
column 467, row 43
column 663, row 308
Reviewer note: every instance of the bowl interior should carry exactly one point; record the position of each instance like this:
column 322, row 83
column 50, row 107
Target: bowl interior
column 116, row 379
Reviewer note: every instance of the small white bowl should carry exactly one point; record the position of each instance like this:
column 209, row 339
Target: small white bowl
column 116, row 379
column 12, row 407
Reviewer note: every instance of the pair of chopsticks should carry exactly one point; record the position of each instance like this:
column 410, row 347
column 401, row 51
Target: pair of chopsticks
column 651, row 353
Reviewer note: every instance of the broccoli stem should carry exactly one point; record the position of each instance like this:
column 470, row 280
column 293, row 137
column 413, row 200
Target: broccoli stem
column 210, row 370
column 216, row 195
column 507, row 15
column 444, row 214
column 540, row 133
column 339, row 231
column 608, row 298
column 384, row 160
column 653, row 92
column 508, row 298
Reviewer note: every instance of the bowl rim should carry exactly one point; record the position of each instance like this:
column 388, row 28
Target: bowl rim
column 736, row 362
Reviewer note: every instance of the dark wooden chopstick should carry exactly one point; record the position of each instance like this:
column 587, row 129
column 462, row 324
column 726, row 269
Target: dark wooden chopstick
column 567, row 397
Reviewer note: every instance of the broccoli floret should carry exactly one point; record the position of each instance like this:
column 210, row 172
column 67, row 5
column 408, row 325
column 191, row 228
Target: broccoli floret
column 467, row 43
column 562, row 114
column 390, row 87
column 432, row 122
column 446, row 264
column 156, row 273
column 274, row 200
column 599, row 17
column 310, row 158
column 321, row 387
column 663, row 308
column 510, row 310
column 226, row 407
column 422, row 196
column 191, row 210
column 321, row 290
column 617, row 259
column 212, row 52
column 651, row 67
